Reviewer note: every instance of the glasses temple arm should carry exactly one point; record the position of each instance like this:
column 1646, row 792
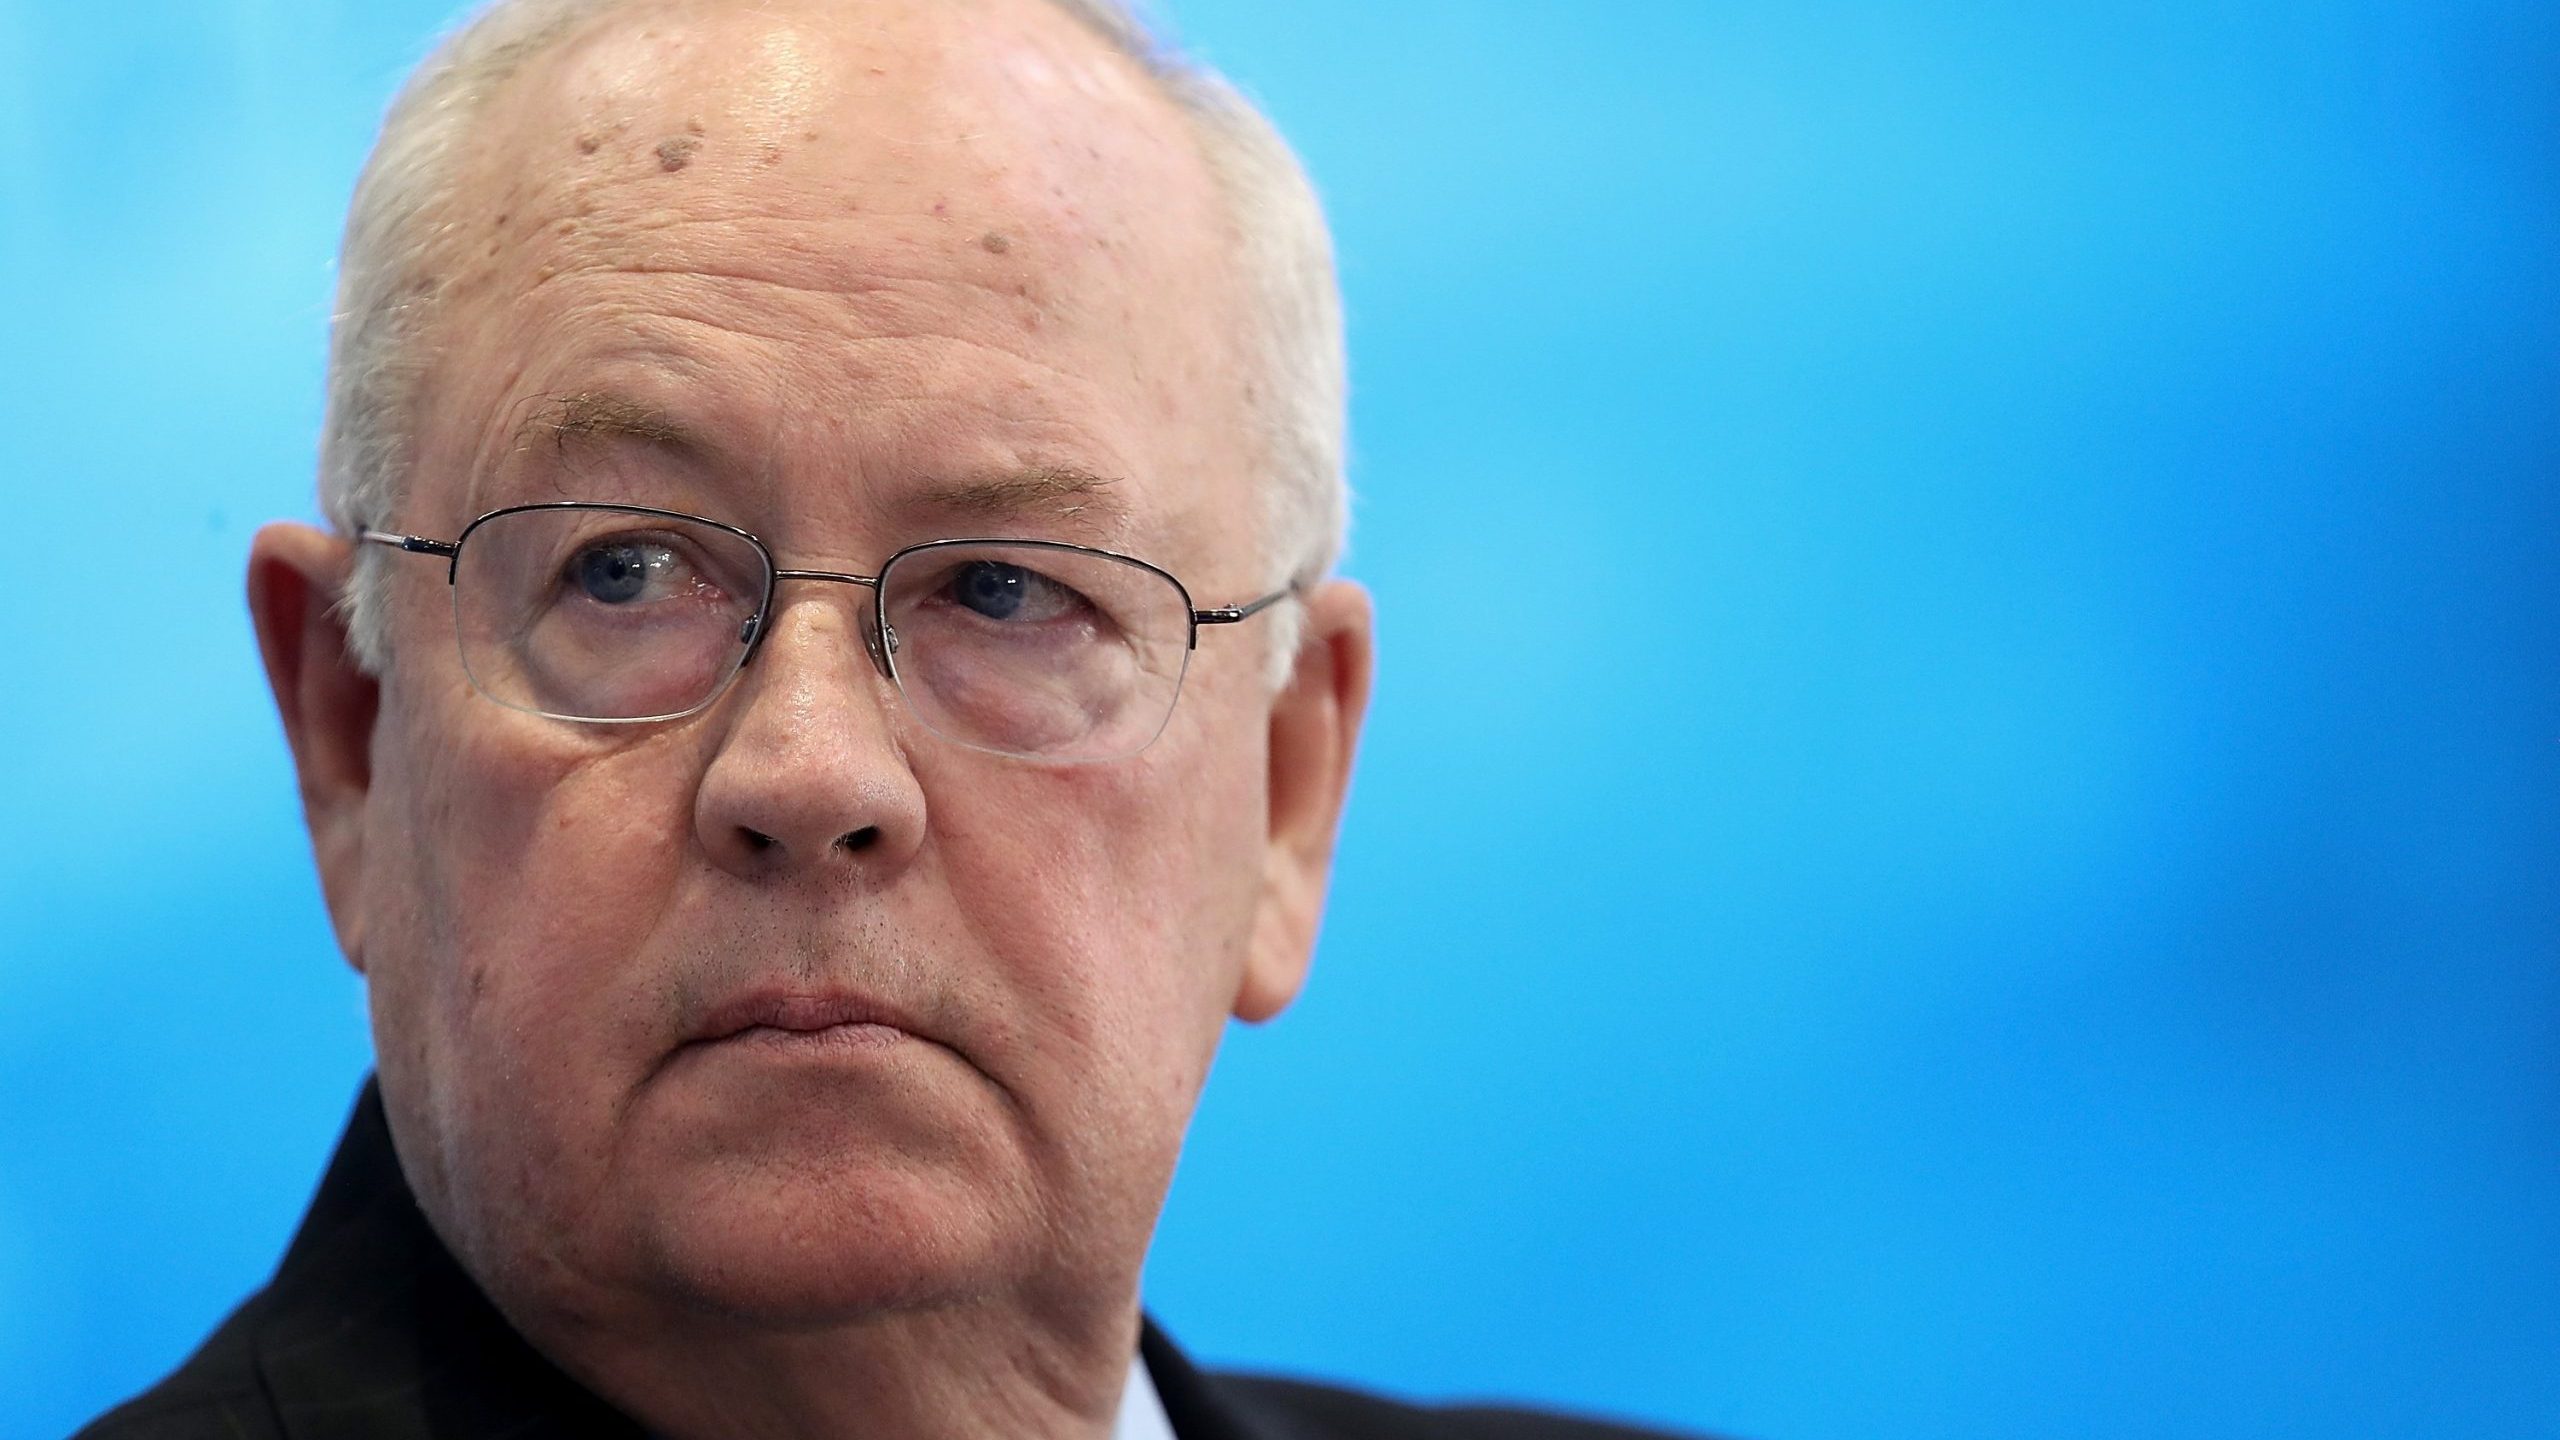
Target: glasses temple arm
column 1230, row 614
column 414, row 544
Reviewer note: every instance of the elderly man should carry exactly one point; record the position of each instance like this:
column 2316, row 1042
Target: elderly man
column 788, row 460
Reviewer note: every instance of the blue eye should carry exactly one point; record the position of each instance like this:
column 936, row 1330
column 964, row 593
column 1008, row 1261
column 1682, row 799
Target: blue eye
column 618, row 572
column 1006, row 596
column 991, row 588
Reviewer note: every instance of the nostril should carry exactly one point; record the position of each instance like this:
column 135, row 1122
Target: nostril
column 860, row 840
column 756, row 839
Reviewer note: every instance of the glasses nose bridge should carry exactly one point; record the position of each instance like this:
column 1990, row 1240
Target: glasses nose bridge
column 761, row 624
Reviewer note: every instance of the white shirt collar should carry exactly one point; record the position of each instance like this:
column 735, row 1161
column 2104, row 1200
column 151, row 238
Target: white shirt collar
column 1142, row 1414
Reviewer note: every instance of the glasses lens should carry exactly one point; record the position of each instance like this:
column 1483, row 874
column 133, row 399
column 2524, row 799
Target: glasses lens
column 601, row 613
column 1038, row 650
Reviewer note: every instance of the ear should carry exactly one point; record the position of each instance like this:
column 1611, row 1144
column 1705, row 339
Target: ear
column 1315, row 726
column 326, row 701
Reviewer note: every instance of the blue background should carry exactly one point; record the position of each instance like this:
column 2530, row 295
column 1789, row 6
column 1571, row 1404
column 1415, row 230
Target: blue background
column 1961, row 835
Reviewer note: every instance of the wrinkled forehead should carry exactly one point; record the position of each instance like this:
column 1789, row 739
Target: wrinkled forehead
column 839, row 120
column 904, row 94
column 849, row 157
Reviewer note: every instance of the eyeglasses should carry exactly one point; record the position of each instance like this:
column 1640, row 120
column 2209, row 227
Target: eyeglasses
column 624, row 614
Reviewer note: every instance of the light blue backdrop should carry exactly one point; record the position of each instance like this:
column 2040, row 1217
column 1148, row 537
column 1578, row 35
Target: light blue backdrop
column 1962, row 829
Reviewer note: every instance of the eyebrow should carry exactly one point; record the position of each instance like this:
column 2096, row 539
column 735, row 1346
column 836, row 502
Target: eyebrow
column 1068, row 494
column 593, row 415
column 1064, row 492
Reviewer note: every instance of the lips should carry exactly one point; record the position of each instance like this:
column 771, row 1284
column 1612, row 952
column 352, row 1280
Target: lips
column 798, row 1012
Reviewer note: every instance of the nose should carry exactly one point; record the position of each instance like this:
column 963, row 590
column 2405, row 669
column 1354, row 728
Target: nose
column 810, row 775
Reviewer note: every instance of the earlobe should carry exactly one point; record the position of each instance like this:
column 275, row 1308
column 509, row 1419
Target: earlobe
column 326, row 701
column 1315, row 729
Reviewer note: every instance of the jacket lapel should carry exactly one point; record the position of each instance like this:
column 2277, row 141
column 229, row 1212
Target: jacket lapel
column 374, row 1330
column 1195, row 1403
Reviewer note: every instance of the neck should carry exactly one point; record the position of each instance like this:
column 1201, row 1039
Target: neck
column 959, row 1372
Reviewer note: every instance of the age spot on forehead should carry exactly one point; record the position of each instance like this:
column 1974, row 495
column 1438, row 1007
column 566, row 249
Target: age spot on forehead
column 591, row 138
column 676, row 151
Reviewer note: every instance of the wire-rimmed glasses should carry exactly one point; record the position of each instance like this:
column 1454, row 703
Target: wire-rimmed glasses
column 624, row 614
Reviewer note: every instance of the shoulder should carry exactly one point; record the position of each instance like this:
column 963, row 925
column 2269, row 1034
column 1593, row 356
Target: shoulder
column 1299, row 1410
column 211, row 1417
column 215, row 1393
column 1229, row 1405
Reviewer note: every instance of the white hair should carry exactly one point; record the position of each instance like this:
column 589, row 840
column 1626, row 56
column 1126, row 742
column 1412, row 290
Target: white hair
column 388, row 285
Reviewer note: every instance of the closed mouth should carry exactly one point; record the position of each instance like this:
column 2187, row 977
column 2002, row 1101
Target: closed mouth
column 795, row 1012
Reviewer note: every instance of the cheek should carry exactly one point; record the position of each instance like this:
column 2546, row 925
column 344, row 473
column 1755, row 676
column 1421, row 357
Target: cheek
column 1116, row 901
column 532, row 858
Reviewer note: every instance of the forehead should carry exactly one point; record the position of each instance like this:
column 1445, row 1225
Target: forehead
column 783, row 219
column 894, row 100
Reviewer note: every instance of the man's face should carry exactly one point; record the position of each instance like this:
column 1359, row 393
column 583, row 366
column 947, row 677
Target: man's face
column 844, row 285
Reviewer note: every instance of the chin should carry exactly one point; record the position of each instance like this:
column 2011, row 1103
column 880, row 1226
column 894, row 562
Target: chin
column 812, row 1245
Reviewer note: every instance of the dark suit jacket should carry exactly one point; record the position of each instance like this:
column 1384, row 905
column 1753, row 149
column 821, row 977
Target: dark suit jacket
column 370, row 1328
